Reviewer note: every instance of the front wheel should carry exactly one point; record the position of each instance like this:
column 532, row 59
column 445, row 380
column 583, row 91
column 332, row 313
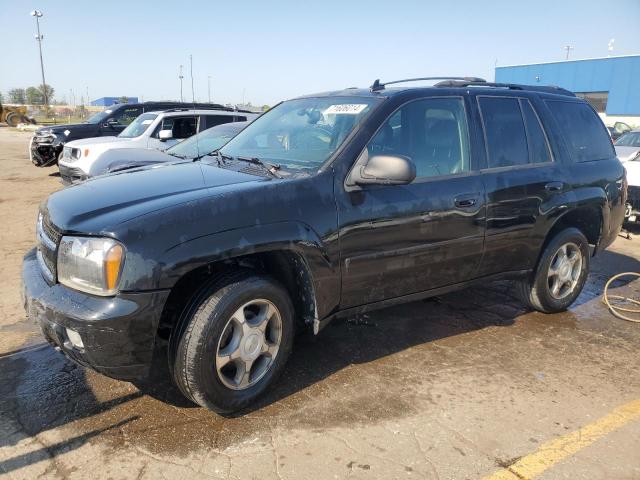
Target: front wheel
column 234, row 342
column 560, row 275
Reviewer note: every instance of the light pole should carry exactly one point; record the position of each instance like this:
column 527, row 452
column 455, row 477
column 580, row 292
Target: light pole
column 568, row 48
column 39, row 37
column 209, row 87
column 180, row 76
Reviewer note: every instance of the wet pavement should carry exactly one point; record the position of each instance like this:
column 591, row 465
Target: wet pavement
column 458, row 386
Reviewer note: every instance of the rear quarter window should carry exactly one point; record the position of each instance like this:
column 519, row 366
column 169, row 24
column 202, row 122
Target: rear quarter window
column 584, row 133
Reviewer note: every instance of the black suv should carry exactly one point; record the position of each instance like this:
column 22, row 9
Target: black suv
column 47, row 142
column 326, row 206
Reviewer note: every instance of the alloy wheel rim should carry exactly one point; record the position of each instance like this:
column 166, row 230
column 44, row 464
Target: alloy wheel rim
column 249, row 344
column 564, row 271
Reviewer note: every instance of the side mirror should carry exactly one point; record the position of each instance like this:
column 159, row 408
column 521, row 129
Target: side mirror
column 385, row 170
column 165, row 135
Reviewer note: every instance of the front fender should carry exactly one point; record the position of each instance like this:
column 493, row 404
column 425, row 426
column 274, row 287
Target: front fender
column 295, row 237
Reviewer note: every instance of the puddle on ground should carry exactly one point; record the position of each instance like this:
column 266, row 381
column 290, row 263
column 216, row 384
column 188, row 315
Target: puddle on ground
column 358, row 372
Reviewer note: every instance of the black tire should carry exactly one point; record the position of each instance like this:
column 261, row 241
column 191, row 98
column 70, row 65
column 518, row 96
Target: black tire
column 194, row 344
column 13, row 119
column 536, row 292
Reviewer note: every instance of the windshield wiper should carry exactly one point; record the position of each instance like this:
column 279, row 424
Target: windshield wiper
column 272, row 168
column 215, row 153
column 177, row 155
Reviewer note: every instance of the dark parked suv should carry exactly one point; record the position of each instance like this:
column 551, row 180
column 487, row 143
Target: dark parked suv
column 47, row 143
column 325, row 206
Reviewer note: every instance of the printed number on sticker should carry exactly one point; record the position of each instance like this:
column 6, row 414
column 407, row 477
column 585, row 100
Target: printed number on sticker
column 345, row 109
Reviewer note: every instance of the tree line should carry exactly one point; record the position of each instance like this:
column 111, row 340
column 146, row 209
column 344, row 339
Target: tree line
column 30, row 95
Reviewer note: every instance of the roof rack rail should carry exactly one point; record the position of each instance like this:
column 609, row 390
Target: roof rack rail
column 512, row 86
column 183, row 109
column 377, row 86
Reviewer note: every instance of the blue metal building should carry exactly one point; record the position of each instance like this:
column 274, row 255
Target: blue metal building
column 108, row 101
column 610, row 84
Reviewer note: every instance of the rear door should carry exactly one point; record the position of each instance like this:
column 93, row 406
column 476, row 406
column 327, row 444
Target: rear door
column 397, row 240
column 521, row 180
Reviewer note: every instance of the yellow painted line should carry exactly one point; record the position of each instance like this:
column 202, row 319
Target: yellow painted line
column 552, row 452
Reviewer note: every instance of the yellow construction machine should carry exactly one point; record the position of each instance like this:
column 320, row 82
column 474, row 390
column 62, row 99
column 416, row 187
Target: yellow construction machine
column 13, row 115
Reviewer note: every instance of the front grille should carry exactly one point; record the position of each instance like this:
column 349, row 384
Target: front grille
column 48, row 241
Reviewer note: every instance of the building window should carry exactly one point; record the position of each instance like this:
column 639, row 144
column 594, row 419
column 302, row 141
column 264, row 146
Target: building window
column 598, row 100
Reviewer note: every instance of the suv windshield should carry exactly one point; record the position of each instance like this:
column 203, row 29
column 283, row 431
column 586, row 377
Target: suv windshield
column 138, row 126
column 301, row 134
column 207, row 141
column 100, row 116
column 629, row 140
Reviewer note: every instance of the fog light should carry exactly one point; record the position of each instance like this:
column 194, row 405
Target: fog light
column 74, row 338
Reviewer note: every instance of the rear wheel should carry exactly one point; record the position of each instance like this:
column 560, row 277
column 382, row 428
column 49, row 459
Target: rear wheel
column 233, row 342
column 560, row 275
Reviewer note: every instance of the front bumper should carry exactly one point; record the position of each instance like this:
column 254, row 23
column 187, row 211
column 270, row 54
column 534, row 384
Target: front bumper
column 118, row 332
column 44, row 150
column 71, row 175
column 633, row 199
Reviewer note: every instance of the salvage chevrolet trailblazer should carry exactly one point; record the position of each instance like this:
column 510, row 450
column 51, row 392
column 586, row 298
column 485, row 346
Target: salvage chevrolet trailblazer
column 326, row 206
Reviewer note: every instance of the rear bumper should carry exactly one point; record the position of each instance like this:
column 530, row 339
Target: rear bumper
column 118, row 332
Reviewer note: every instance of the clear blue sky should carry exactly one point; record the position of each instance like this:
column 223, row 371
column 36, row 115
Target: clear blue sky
column 279, row 49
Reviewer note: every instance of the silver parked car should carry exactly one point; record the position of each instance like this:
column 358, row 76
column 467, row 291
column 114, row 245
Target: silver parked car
column 628, row 146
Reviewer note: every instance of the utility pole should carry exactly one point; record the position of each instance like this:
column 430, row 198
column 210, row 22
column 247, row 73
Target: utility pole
column 39, row 37
column 180, row 76
column 209, row 87
column 568, row 48
column 88, row 101
column 193, row 94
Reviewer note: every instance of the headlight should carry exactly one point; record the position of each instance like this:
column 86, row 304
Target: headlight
column 72, row 154
column 90, row 264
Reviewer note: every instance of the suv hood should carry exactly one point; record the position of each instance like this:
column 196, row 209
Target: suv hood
column 96, row 141
column 633, row 173
column 92, row 207
column 73, row 127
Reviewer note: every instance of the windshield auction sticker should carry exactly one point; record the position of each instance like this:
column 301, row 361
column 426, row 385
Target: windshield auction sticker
column 346, row 109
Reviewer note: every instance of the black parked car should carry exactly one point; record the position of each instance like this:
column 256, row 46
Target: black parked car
column 47, row 143
column 325, row 206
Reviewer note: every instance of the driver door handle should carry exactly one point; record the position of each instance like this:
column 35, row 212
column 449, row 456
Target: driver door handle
column 554, row 186
column 465, row 201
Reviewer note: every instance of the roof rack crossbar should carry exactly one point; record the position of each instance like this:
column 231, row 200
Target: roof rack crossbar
column 511, row 86
column 377, row 86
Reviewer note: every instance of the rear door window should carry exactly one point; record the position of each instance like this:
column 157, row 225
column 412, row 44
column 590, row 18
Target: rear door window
column 584, row 133
column 504, row 131
column 213, row 120
column 538, row 147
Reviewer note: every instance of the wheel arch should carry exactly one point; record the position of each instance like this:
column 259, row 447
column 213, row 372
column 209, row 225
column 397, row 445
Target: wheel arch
column 589, row 218
column 292, row 254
